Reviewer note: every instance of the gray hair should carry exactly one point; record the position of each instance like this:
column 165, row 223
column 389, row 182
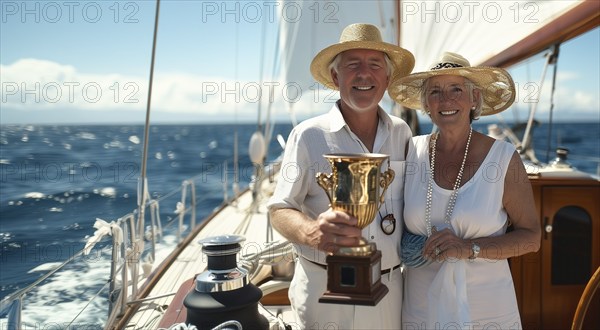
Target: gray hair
column 389, row 66
column 475, row 113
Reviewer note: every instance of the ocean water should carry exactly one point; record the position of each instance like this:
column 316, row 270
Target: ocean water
column 581, row 139
column 57, row 180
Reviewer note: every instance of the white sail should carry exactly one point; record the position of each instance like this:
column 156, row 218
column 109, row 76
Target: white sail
column 477, row 30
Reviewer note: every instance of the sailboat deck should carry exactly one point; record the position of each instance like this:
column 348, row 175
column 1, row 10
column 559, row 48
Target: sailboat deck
column 233, row 219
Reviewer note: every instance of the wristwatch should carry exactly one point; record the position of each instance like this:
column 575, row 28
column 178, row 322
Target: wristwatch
column 474, row 250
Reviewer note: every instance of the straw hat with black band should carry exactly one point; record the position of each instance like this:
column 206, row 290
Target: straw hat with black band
column 496, row 84
column 360, row 36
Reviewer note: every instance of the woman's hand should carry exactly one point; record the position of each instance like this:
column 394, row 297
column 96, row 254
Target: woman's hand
column 443, row 245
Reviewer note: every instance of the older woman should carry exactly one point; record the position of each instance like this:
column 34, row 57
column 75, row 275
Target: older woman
column 461, row 189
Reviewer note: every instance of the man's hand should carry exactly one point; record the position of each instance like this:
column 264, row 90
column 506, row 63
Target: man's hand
column 332, row 230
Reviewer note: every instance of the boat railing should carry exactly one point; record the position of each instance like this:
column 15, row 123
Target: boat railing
column 126, row 253
column 128, row 247
column 181, row 209
column 133, row 255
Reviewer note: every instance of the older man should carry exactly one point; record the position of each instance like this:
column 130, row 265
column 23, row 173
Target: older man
column 360, row 66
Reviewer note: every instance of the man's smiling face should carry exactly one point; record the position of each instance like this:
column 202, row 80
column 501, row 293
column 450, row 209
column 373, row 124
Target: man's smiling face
column 361, row 78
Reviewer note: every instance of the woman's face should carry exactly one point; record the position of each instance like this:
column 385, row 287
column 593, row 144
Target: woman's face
column 448, row 100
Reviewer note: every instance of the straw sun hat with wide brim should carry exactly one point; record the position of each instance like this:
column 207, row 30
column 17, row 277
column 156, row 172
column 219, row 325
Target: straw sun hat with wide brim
column 497, row 86
column 360, row 36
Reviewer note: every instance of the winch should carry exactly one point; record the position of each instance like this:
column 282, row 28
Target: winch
column 224, row 292
column 561, row 158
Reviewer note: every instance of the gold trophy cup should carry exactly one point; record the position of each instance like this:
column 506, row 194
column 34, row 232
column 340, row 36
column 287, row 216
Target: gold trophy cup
column 355, row 186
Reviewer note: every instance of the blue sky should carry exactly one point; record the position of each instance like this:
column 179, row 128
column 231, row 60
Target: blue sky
column 88, row 62
column 78, row 50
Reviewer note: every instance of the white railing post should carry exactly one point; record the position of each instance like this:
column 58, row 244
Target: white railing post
column 193, row 204
column 182, row 210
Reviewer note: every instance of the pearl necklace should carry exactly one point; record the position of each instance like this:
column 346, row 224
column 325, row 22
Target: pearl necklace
column 452, row 201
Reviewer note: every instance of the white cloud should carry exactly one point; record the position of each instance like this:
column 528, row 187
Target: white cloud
column 565, row 76
column 572, row 99
column 569, row 101
column 34, row 84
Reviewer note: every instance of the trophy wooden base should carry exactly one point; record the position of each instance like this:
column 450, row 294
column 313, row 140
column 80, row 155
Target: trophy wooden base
column 354, row 280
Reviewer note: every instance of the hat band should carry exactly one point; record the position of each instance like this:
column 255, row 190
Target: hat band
column 446, row 65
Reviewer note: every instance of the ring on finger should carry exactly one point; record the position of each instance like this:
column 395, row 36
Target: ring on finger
column 437, row 251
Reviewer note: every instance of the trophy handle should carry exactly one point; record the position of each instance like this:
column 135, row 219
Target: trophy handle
column 324, row 180
column 386, row 179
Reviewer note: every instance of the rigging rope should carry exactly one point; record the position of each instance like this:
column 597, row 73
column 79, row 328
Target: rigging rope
column 143, row 181
column 553, row 60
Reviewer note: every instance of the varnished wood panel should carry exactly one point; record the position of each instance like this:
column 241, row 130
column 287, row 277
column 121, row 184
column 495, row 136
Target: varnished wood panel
column 526, row 275
column 176, row 312
column 542, row 305
column 560, row 301
column 276, row 298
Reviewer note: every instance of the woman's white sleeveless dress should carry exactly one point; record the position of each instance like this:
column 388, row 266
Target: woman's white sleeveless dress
column 488, row 298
